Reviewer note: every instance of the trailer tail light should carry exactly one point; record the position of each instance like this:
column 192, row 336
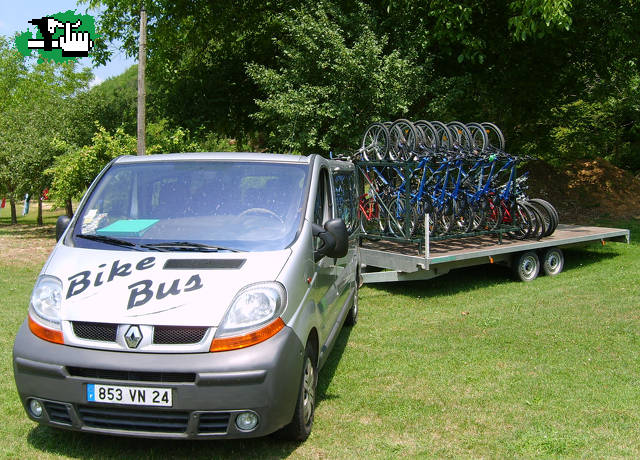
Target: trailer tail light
column 246, row 340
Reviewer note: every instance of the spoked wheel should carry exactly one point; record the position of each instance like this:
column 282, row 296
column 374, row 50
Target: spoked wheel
column 552, row 261
column 375, row 142
column 526, row 266
column 396, row 225
column 403, row 140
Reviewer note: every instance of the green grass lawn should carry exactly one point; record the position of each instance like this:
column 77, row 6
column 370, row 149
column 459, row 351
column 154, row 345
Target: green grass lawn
column 470, row 364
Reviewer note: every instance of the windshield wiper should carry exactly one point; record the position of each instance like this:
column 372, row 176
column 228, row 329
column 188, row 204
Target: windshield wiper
column 109, row 240
column 186, row 246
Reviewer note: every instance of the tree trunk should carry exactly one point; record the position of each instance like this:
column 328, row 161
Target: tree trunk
column 14, row 214
column 39, row 221
column 69, row 207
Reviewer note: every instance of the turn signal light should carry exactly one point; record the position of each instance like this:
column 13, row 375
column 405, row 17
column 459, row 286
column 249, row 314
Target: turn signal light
column 246, row 340
column 50, row 335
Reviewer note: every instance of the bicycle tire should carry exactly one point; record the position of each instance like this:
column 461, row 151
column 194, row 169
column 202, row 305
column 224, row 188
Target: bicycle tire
column 444, row 136
column 538, row 227
column 547, row 217
column 479, row 135
column 375, row 140
column 461, row 132
column 429, row 134
column 403, row 140
column 551, row 208
column 496, row 138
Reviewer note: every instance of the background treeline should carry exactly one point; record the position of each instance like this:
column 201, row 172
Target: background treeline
column 560, row 77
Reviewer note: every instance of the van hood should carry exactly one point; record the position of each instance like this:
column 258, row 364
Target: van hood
column 171, row 289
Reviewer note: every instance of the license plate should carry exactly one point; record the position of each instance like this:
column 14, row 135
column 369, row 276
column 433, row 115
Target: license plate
column 138, row 396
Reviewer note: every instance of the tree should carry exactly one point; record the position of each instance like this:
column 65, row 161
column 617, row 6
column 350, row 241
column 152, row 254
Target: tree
column 32, row 112
column 234, row 67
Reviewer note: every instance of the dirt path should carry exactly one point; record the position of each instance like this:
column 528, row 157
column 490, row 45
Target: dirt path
column 24, row 243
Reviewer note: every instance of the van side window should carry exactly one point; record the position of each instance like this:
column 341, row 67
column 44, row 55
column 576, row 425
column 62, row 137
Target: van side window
column 345, row 188
column 321, row 208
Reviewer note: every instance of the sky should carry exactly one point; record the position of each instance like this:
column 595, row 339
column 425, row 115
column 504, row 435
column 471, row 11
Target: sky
column 15, row 14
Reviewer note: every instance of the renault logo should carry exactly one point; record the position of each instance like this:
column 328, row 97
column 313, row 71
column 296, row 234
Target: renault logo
column 133, row 336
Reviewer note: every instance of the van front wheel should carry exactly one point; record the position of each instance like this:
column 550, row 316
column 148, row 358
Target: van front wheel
column 300, row 426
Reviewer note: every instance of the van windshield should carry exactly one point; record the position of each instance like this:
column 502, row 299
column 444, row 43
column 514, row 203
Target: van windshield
column 194, row 206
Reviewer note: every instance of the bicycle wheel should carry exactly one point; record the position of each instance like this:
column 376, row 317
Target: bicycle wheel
column 546, row 215
column 403, row 140
column 553, row 213
column 461, row 217
column 429, row 135
column 375, row 142
column 537, row 223
column 492, row 212
column 496, row 138
column 520, row 217
column 462, row 134
column 443, row 135
column 479, row 135
column 398, row 215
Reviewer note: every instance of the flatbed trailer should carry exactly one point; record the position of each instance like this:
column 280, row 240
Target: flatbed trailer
column 388, row 261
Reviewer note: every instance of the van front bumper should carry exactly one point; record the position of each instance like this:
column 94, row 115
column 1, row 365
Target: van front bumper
column 209, row 390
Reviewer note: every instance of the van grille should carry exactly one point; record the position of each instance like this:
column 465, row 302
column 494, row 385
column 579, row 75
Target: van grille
column 108, row 374
column 162, row 335
column 134, row 419
column 170, row 335
column 103, row 332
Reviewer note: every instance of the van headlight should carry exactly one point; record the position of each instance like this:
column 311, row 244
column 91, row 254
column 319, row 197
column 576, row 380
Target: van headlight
column 44, row 309
column 46, row 299
column 254, row 316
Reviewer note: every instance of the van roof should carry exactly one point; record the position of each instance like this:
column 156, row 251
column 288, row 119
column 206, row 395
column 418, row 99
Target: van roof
column 235, row 156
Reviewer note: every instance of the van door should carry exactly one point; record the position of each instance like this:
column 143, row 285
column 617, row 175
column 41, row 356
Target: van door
column 324, row 290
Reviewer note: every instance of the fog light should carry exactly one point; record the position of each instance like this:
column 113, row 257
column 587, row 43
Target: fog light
column 247, row 421
column 35, row 407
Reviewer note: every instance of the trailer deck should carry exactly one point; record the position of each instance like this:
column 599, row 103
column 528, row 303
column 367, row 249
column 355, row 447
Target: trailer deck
column 386, row 261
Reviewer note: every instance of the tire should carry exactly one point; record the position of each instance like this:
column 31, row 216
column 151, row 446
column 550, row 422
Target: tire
column 400, row 216
column 444, row 136
column 461, row 133
column 429, row 135
column 403, row 140
column 479, row 135
column 526, row 266
column 375, row 142
column 301, row 424
column 546, row 215
column 538, row 227
column 552, row 261
column 553, row 213
column 496, row 138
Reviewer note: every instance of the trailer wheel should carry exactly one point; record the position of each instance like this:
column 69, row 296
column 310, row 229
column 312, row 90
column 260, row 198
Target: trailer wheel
column 526, row 266
column 552, row 261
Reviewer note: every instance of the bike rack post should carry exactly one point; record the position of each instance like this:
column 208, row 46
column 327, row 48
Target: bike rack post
column 427, row 248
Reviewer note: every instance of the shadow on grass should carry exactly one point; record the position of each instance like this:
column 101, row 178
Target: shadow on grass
column 27, row 231
column 87, row 445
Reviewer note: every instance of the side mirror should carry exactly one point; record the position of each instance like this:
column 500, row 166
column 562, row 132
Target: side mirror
column 61, row 225
column 334, row 237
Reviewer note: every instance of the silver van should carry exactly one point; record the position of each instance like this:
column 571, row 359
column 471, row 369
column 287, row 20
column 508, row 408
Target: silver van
column 193, row 296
